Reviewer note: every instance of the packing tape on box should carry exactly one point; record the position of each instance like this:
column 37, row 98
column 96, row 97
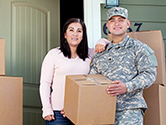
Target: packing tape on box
column 100, row 79
column 92, row 79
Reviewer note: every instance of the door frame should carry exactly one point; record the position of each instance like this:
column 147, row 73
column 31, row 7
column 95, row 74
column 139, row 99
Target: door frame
column 92, row 19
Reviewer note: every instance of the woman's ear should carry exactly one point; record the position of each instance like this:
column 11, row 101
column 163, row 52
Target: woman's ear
column 65, row 35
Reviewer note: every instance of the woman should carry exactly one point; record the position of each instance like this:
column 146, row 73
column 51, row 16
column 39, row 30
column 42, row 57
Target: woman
column 73, row 57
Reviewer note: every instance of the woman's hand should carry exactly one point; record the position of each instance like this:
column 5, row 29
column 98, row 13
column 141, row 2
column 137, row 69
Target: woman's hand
column 99, row 48
column 101, row 44
column 49, row 117
column 63, row 113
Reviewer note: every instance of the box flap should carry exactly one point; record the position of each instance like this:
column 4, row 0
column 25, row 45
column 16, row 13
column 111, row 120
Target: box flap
column 100, row 79
column 90, row 79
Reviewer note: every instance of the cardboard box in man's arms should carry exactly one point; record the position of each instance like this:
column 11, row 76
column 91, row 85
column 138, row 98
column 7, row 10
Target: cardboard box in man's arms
column 87, row 101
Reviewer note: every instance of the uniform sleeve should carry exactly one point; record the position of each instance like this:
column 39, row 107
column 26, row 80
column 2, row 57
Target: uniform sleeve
column 94, row 67
column 47, row 73
column 146, row 65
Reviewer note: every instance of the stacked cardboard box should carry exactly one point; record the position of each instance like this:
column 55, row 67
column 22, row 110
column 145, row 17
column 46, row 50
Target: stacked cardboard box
column 2, row 57
column 11, row 94
column 155, row 95
column 87, row 101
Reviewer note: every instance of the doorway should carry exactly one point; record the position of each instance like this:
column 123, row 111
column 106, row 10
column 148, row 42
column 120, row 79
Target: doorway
column 70, row 9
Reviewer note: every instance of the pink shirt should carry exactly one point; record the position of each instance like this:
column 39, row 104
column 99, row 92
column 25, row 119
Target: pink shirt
column 55, row 67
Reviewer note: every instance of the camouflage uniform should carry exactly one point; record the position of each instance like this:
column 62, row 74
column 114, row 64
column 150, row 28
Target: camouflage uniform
column 134, row 117
column 133, row 63
column 120, row 11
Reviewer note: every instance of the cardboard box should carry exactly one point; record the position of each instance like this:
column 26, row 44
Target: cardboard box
column 2, row 57
column 11, row 97
column 155, row 97
column 87, row 101
column 154, row 40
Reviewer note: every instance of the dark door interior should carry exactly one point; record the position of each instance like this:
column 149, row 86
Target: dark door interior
column 70, row 9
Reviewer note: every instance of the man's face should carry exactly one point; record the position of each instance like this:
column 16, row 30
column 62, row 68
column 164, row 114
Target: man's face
column 118, row 25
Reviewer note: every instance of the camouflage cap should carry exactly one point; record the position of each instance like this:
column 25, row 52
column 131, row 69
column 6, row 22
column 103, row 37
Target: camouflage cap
column 117, row 11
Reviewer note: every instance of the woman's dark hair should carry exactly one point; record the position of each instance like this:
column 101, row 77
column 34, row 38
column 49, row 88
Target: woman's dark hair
column 82, row 49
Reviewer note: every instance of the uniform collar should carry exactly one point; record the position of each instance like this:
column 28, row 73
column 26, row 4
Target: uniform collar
column 124, row 43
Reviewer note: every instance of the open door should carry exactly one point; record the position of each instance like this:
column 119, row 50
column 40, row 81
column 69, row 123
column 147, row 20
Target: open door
column 30, row 29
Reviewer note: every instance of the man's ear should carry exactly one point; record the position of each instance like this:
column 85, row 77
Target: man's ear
column 128, row 23
column 107, row 24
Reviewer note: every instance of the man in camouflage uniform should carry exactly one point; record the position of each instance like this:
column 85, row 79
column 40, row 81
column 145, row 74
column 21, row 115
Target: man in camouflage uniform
column 130, row 64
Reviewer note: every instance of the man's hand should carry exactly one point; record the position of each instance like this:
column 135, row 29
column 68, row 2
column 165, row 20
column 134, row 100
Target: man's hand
column 49, row 117
column 117, row 88
column 99, row 48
